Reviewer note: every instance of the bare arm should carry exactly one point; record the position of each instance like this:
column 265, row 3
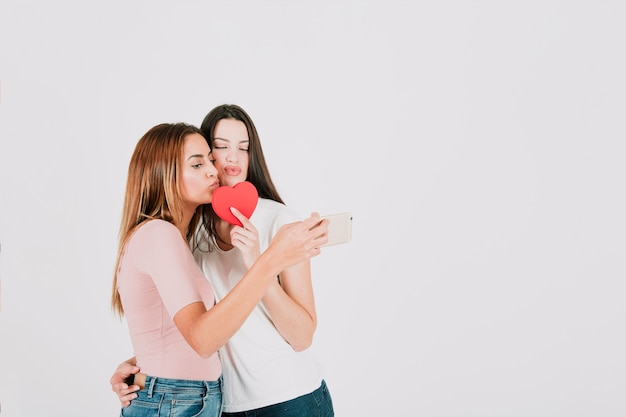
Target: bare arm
column 291, row 305
column 207, row 330
column 289, row 302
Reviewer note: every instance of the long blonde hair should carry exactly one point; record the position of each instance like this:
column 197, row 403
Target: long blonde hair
column 152, row 187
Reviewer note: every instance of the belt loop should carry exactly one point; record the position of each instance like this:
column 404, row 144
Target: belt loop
column 151, row 387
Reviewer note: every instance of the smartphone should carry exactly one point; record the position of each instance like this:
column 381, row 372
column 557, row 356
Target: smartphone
column 339, row 228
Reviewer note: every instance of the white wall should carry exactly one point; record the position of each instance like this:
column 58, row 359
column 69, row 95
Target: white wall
column 479, row 144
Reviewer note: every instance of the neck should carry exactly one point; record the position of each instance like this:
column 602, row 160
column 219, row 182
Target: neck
column 183, row 225
column 222, row 230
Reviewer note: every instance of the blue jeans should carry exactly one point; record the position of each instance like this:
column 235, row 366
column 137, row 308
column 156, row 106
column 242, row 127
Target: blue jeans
column 316, row 404
column 164, row 397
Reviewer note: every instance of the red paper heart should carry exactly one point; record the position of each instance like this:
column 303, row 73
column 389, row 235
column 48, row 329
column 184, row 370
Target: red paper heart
column 243, row 196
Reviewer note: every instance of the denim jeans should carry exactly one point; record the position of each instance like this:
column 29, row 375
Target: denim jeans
column 316, row 404
column 164, row 397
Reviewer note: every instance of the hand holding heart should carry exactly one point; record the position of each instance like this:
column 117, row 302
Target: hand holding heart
column 243, row 196
column 246, row 239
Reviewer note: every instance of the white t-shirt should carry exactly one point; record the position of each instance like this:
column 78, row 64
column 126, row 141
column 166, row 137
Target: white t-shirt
column 259, row 367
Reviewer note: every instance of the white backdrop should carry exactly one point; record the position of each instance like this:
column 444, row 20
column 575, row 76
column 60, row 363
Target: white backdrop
column 480, row 146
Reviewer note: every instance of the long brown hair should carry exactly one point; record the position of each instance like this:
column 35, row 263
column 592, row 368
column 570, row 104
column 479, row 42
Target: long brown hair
column 152, row 187
column 258, row 172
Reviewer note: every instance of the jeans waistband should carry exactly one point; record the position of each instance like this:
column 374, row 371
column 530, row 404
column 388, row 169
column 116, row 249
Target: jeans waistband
column 176, row 386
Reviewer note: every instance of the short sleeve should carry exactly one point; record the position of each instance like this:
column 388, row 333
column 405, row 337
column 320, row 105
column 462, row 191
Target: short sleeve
column 159, row 251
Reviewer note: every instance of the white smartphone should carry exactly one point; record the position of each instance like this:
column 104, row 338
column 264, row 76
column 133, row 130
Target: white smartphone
column 339, row 228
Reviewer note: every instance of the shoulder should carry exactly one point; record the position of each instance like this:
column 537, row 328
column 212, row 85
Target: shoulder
column 156, row 244
column 156, row 235
column 155, row 228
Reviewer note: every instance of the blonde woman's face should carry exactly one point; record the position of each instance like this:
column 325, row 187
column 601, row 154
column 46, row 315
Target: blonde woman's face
column 199, row 175
column 230, row 151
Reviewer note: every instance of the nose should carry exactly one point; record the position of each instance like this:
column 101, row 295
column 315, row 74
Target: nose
column 211, row 170
column 231, row 156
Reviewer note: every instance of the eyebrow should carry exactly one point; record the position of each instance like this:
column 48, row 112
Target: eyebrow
column 198, row 155
column 228, row 140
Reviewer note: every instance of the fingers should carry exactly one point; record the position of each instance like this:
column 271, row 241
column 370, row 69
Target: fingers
column 247, row 241
column 116, row 388
column 125, row 400
column 247, row 234
column 243, row 219
column 312, row 233
column 241, row 239
column 123, row 371
column 122, row 389
column 312, row 220
column 126, row 393
column 320, row 228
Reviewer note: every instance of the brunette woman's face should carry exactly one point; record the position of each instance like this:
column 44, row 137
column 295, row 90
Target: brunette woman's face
column 199, row 175
column 230, row 151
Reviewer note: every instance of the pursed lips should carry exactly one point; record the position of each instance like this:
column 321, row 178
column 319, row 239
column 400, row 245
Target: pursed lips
column 232, row 170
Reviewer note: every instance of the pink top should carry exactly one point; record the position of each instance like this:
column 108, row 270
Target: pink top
column 157, row 277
